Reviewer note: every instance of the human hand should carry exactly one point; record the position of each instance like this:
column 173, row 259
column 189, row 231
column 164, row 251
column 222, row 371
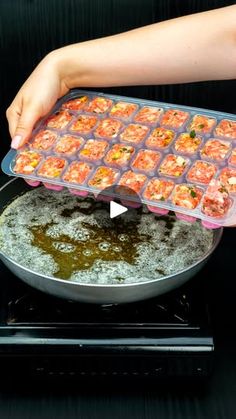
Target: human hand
column 110, row 61
column 35, row 99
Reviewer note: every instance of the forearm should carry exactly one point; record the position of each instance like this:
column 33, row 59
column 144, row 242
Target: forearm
column 191, row 48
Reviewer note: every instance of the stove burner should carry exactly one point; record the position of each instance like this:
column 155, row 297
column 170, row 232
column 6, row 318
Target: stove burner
column 161, row 337
column 37, row 308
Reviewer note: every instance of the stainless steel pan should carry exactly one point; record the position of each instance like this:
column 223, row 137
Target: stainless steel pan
column 94, row 293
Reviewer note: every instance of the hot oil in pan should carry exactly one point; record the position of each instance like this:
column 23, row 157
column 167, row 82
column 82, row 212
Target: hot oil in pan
column 57, row 234
column 110, row 242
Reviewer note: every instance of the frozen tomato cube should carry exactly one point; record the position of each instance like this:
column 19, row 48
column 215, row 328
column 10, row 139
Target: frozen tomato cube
column 202, row 172
column 103, row 177
column 202, row 124
column 226, row 128
column 186, row 196
column 216, row 201
column 160, row 138
column 26, row 162
column 134, row 133
column 52, row 167
column 173, row 165
column 76, row 104
column 148, row 115
column 123, row 109
column 44, row 140
column 59, row 119
column 232, row 159
column 84, row 124
column 98, row 105
column 68, row 144
column 228, row 179
column 133, row 181
column 77, row 172
column 158, row 189
column 215, row 149
column 119, row 154
column 146, row 160
column 188, row 143
column 94, row 149
column 174, row 118
column 108, row 128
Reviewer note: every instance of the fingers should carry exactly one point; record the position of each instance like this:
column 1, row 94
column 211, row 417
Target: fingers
column 21, row 121
column 34, row 100
column 12, row 115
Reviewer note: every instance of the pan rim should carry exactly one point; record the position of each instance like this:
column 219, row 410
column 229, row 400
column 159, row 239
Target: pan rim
column 217, row 235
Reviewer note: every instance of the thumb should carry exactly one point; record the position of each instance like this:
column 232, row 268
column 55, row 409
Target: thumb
column 24, row 126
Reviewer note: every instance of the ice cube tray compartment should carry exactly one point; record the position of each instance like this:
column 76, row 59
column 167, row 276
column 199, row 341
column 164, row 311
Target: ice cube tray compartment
column 175, row 157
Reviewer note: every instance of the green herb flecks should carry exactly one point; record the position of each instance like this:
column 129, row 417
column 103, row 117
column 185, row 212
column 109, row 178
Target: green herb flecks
column 193, row 193
column 192, row 134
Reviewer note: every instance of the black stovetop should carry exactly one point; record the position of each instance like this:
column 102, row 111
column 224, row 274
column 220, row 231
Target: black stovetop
column 25, row 307
column 166, row 335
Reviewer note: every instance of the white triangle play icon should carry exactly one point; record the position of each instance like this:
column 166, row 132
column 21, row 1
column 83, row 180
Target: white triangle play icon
column 116, row 209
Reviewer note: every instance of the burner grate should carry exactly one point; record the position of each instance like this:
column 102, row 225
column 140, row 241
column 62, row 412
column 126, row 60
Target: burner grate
column 37, row 308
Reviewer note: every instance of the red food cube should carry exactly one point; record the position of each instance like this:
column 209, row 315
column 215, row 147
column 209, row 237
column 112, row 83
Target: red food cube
column 202, row 172
column 232, row 159
column 123, row 109
column 173, row 165
column 52, row 167
column 103, row 177
column 133, row 181
column 148, row 115
column 215, row 149
column 160, row 138
column 202, row 124
column 134, row 133
column 84, row 124
column 94, row 149
column 158, row 189
column 44, row 140
column 26, row 162
column 119, row 154
column 108, row 128
column 174, row 118
column 77, row 172
column 98, row 105
column 226, row 128
column 216, row 201
column 68, row 144
column 146, row 160
column 75, row 104
column 228, row 179
column 186, row 196
column 188, row 143
column 59, row 119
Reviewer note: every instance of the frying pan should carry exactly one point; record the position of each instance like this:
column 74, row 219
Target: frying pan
column 96, row 293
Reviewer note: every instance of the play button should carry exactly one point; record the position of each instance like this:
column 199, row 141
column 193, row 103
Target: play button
column 118, row 206
column 116, row 209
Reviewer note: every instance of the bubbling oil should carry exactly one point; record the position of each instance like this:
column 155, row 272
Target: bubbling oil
column 91, row 243
column 58, row 234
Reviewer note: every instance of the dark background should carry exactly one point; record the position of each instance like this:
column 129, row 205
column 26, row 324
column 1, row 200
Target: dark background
column 29, row 29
